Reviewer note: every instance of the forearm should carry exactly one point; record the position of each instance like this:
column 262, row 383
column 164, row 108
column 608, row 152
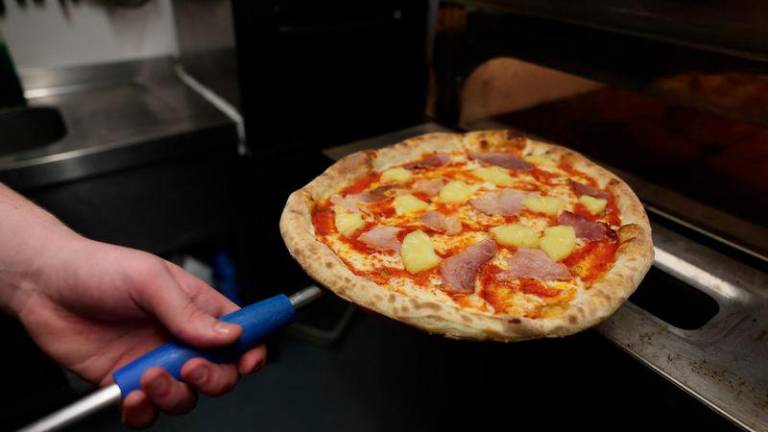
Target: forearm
column 28, row 234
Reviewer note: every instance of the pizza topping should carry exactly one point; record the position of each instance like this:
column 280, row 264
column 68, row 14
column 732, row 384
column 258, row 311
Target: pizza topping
column 533, row 263
column 459, row 271
column 418, row 252
column 515, row 235
column 348, row 203
column 558, row 241
column 389, row 226
column 544, row 204
column 348, row 222
column 429, row 187
column 582, row 189
column 406, row 204
column 396, row 175
column 435, row 160
column 437, row 221
column 540, row 160
column 586, row 228
column 495, row 175
column 592, row 204
column 456, row 192
column 324, row 221
column 503, row 202
column 352, row 202
column 360, row 185
column 504, row 160
column 382, row 237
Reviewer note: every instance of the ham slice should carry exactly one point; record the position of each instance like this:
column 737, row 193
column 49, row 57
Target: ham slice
column 503, row 202
column 430, row 187
column 348, row 202
column 582, row 189
column 437, row 221
column 534, row 263
column 352, row 202
column 375, row 195
column 504, row 160
column 435, row 160
column 459, row 271
column 382, row 237
column 586, row 228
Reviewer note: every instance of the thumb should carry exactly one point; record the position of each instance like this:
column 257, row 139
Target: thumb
column 177, row 311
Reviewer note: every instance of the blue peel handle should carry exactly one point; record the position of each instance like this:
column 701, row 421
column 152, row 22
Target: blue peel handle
column 258, row 321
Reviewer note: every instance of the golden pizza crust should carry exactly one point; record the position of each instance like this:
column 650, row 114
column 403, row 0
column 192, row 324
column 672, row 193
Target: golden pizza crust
column 634, row 256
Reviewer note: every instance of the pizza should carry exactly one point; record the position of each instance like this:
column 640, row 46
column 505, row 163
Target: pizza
column 483, row 235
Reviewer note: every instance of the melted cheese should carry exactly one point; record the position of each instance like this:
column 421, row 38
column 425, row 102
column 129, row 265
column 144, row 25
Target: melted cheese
column 413, row 272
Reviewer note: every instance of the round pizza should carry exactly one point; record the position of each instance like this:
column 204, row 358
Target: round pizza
column 483, row 235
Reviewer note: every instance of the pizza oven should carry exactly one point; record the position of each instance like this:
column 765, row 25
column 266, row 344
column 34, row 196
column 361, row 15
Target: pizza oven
column 672, row 97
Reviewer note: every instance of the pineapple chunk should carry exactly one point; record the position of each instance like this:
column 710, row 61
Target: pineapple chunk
column 418, row 252
column 544, row 204
column 348, row 222
column 594, row 205
column 558, row 241
column 396, row 175
column 456, row 192
column 496, row 175
column 540, row 160
column 515, row 235
column 408, row 203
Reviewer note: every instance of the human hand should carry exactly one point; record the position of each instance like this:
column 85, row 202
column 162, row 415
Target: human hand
column 94, row 307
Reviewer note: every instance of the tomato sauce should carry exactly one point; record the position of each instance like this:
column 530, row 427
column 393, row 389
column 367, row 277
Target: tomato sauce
column 612, row 212
column 573, row 172
column 382, row 275
column 382, row 208
column 461, row 299
column 499, row 293
column 324, row 222
column 422, row 196
column 542, row 176
column 405, row 230
column 592, row 260
column 535, row 287
column 360, row 185
column 447, row 208
column 528, row 187
column 582, row 211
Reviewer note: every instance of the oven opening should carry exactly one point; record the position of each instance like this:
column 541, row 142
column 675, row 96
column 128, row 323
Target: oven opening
column 674, row 301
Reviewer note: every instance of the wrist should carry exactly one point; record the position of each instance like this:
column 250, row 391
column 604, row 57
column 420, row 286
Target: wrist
column 34, row 267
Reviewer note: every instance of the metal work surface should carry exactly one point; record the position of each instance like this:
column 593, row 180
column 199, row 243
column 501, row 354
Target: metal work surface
column 723, row 362
column 116, row 116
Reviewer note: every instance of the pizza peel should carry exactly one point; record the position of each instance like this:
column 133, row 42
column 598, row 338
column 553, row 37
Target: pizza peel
column 258, row 321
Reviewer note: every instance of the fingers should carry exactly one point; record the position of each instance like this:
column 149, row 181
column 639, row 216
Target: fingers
column 175, row 308
column 252, row 360
column 159, row 390
column 169, row 395
column 204, row 296
column 138, row 411
column 209, row 378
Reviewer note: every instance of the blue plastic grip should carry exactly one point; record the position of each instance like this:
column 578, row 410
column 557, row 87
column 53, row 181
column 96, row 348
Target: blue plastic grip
column 258, row 321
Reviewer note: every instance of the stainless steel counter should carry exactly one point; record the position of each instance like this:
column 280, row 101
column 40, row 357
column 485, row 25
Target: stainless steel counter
column 117, row 116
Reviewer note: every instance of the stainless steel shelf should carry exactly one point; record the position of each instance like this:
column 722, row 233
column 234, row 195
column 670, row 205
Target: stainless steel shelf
column 117, row 116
